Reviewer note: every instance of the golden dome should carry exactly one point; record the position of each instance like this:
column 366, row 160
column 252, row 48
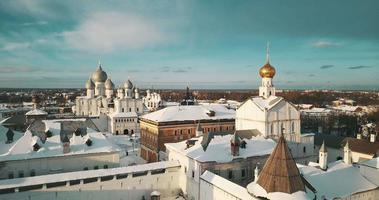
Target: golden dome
column 267, row 71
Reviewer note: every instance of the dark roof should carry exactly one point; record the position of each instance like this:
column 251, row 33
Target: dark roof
column 199, row 128
column 248, row 134
column 242, row 134
column 280, row 173
column 331, row 141
column 362, row 146
column 17, row 120
column 207, row 137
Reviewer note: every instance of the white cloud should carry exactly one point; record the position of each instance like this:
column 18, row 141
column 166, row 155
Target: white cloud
column 108, row 31
column 37, row 23
column 11, row 46
column 324, row 44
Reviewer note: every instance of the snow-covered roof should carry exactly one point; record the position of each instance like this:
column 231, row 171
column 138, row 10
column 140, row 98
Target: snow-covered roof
column 338, row 181
column 36, row 112
column 4, row 147
column 316, row 110
column 124, row 114
column 256, row 146
column 226, row 185
column 191, row 113
column 374, row 163
column 53, row 178
column 347, row 108
column 259, row 191
column 23, row 147
column 266, row 103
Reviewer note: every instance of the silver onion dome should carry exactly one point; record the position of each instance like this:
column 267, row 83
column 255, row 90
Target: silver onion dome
column 99, row 75
column 109, row 84
column 90, row 84
column 128, row 84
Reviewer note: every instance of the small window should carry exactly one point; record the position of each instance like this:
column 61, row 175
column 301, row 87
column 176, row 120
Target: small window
column 230, row 174
column 105, row 167
column 32, row 172
column 85, row 168
column 20, row 174
column 304, row 149
column 10, row 175
column 243, row 173
column 185, row 169
column 193, row 174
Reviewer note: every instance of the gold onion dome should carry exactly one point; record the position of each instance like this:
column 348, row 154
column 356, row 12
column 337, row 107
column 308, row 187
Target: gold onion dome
column 267, row 71
column 99, row 75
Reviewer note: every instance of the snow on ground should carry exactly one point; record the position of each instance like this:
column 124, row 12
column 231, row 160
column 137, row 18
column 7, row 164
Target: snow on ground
column 129, row 144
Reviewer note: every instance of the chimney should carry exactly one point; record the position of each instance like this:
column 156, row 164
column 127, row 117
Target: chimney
column 199, row 130
column 235, row 144
column 372, row 137
column 66, row 144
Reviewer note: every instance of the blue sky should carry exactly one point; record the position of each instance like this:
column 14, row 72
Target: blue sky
column 206, row 44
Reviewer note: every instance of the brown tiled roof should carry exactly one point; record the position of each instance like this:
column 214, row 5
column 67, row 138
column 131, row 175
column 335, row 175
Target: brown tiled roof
column 362, row 146
column 280, row 173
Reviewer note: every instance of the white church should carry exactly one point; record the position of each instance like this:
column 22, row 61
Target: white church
column 117, row 111
column 271, row 116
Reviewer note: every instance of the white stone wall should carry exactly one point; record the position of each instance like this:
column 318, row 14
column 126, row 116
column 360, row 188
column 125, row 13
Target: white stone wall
column 59, row 164
column 123, row 188
column 188, row 183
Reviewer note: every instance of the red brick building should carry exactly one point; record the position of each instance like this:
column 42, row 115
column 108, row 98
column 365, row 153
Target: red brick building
column 178, row 123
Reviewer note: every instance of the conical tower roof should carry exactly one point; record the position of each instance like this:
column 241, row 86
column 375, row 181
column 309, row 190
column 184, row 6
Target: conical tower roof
column 323, row 148
column 280, row 173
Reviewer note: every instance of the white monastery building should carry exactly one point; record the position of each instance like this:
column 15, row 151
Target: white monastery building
column 56, row 146
column 117, row 110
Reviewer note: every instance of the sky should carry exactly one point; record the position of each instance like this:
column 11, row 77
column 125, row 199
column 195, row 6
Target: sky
column 215, row 44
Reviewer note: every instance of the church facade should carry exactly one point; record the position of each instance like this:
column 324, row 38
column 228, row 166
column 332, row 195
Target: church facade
column 117, row 110
column 271, row 116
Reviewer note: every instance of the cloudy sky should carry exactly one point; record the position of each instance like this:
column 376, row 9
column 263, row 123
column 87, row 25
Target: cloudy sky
column 206, row 44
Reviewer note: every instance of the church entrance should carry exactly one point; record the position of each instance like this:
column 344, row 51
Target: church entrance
column 126, row 132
